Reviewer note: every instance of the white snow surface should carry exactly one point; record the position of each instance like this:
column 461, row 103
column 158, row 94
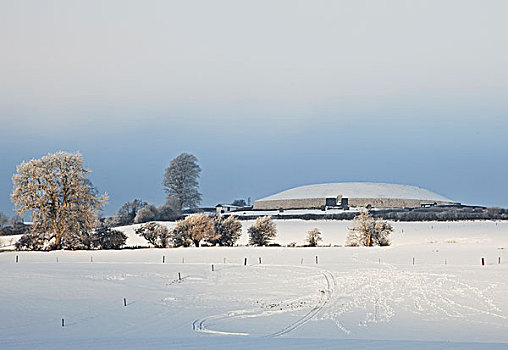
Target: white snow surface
column 358, row 190
column 360, row 298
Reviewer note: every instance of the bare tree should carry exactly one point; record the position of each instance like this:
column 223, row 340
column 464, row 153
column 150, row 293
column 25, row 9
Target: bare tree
column 367, row 231
column 313, row 237
column 262, row 232
column 181, row 180
column 62, row 202
column 194, row 228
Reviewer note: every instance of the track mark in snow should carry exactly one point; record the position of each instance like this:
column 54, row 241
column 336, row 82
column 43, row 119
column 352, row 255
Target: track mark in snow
column 325, row 294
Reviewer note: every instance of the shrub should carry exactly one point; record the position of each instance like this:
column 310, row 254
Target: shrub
column 106, row 238
column 228, row 230
column 313, row 237
column 31, row 241
column 194, row 229
column 367, row 231
column 262, row 232
column 156, row 234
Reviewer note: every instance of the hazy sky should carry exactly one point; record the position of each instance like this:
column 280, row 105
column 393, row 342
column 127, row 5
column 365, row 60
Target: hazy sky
column 267, row 94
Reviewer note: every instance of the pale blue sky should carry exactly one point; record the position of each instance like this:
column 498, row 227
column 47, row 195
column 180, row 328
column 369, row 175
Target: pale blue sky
column 267, row 94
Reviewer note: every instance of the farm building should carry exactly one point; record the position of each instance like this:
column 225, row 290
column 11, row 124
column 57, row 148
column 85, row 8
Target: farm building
column 352, row 194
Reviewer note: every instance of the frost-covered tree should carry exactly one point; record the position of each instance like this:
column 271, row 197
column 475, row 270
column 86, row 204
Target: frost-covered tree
column 228, row 230
column 3, row 219
column 148, row 213
column 367, row 231
column 181, row 181
column 106, row 238
column 62, row 202
column 127, row 212
column 170, row 210
column 262, row 231
column 194, row 228
column 313, row 237
column 156, row 234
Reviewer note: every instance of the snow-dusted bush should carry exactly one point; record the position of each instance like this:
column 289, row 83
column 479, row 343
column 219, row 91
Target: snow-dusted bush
column 262, row 231
column 146, row 214
column 156, row 234
column 313, row 237
column 30, row 241
column 194, row 229
column 368, row 231
column 228, row 230
column 106, row 238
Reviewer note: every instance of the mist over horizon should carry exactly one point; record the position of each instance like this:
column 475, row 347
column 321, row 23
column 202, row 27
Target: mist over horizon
column 268, row 96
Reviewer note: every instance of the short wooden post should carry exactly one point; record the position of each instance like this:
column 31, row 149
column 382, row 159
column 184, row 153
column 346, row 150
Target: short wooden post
column 17, row 259
column 179, row 276
column 483, row 261
column 260, row 260
column 124, row 301
column 499, row 260
column 63, row 322
column 316, row 259
column 245, row 262
column 163, row 259
column 213, row 269
column 413, row 260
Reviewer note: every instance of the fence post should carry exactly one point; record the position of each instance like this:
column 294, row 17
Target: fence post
column 179, row 276
column 483, row 261
column 245, row 262
column 163, row 259
column 259, row 260
column 17, row 259
column 124, row 302
column 316, row 259
column 213, row 269
column 499, row 260
column 413, row 260
column 63, row 322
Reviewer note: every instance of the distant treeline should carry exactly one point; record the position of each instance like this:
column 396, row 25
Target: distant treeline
column 455, row 213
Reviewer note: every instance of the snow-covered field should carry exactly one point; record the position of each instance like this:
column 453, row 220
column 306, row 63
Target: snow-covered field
column 368, row 298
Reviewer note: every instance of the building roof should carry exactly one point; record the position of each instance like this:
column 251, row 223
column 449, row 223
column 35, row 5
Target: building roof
column 358, row 190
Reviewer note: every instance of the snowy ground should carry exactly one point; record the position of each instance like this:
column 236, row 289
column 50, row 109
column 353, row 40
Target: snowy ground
column 369, row 298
